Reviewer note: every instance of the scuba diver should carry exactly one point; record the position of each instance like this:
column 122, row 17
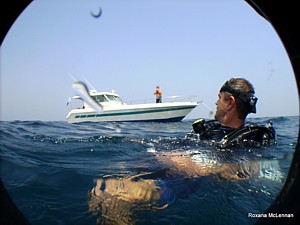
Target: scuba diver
column 236, row 100
column 177, row 173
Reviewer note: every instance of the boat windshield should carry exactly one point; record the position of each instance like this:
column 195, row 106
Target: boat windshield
column 114, row 98
column 100, row 98
column 107, row 98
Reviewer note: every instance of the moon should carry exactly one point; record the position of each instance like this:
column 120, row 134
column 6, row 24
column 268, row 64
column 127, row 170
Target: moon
column 98, row 14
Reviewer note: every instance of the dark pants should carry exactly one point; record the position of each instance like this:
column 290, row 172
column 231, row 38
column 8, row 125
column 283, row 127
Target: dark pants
column 158, row 100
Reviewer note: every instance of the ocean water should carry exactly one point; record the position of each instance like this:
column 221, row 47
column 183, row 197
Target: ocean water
column 139, row 173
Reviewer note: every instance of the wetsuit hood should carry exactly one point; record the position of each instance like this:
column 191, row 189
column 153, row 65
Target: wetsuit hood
column 249, row 98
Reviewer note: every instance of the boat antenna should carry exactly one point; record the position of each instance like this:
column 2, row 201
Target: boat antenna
column 89, row 83
column 73, row 78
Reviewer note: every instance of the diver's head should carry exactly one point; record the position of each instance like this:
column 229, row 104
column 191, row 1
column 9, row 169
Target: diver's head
column 243, row 93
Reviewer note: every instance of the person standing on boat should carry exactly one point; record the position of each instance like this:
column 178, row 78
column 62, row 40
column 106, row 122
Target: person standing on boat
column 158, row 94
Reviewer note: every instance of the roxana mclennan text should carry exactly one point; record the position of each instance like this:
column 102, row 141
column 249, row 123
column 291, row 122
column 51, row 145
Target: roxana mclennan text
column 270, row 215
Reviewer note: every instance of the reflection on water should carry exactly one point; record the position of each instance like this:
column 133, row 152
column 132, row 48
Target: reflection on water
column 116, row 200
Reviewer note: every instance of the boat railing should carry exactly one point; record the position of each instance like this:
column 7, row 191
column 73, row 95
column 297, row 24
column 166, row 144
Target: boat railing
column 190, row 98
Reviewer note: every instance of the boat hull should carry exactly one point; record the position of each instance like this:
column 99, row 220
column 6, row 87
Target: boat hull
column 162, row 112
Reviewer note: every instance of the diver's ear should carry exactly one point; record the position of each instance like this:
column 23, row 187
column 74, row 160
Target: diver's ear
column 232, row 102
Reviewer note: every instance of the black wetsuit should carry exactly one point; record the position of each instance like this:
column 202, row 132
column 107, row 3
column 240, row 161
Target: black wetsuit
column 222, row 136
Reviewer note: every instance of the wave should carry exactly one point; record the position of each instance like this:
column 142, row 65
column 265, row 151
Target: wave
column 55, row 165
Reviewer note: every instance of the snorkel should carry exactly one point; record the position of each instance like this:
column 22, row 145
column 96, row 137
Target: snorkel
column 248, row 98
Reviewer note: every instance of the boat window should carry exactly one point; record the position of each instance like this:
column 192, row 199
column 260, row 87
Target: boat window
column 100, row 98
column 110, row 97
column 118, row 99
column 114, row 98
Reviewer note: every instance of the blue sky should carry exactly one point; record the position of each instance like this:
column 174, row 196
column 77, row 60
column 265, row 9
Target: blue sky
column 187, row 47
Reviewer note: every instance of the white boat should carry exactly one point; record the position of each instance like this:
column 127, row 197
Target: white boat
column 116, row 110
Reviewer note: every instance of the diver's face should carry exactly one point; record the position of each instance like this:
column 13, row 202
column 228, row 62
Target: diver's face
column 221, row 107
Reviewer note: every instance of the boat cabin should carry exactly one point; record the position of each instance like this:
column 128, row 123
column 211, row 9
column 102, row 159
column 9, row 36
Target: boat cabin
column 104, row 99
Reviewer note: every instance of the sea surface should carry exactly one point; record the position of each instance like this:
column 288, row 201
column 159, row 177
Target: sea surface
column 139, row 173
